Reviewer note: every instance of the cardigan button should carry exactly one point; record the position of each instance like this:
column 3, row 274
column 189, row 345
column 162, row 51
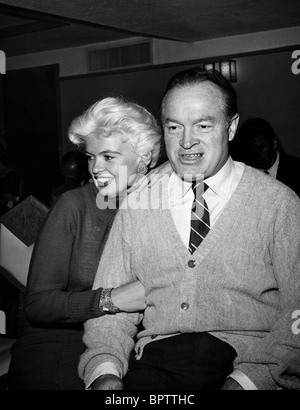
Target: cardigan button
column 185, row 306
column 153, row 336
column 191, row 263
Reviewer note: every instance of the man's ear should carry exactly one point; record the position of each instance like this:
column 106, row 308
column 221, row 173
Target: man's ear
column 233, row 126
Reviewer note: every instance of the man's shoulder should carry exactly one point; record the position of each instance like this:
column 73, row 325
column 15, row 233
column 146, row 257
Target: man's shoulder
column 267, row 187
column 148, row 199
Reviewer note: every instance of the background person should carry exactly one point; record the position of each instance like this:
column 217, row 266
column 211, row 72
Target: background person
column 74, row 172
column 59, row 297
column 257, row 145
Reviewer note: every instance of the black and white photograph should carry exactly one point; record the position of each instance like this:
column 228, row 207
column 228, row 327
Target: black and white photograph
column 149, row 198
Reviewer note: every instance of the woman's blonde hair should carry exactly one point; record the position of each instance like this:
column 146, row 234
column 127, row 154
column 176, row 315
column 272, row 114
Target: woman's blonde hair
column 113, row 115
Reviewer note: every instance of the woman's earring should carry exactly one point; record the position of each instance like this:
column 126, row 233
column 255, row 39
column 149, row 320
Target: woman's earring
column 142, row 168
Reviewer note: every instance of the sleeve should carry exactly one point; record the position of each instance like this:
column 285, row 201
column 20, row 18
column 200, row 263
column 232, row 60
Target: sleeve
column 274, row 362
column 242, row 380
column 47, row 297
column 110, row 339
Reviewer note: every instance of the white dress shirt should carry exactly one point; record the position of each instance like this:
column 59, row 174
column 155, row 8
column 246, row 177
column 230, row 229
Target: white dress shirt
column 220, row 189
column 274, row 168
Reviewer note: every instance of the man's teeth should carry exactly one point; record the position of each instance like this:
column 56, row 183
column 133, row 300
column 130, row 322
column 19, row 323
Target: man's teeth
column 192, row 155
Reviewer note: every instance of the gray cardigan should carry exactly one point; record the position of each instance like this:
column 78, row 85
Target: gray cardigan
column 243, row 286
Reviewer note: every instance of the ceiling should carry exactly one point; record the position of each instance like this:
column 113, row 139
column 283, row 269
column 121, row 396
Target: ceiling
column 28, row 26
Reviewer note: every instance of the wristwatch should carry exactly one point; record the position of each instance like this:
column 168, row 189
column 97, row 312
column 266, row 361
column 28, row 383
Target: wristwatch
column 105, row 304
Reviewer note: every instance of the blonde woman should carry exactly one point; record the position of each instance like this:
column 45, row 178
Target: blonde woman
column 115, row 134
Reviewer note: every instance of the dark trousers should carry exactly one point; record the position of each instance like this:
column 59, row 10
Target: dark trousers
column 197, row 361
column 46, row 361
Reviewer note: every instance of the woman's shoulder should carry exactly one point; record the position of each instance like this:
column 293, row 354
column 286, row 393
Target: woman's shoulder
column 79, row 197
column 79, row 193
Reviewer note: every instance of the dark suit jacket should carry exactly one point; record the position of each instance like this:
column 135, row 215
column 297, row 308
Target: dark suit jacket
column 289, row 171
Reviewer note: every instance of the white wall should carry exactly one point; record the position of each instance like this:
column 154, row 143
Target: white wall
column 172, row 51
column 73, row 61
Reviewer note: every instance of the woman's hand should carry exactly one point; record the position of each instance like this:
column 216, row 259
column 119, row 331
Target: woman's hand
column 151, row 178
column 129, row 297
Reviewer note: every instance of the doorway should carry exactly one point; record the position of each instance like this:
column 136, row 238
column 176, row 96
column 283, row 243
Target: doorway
column 31, row 127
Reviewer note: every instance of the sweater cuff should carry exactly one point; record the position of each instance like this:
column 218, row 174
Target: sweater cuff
column 83, row 306
column 242, row 379
column 259, row 374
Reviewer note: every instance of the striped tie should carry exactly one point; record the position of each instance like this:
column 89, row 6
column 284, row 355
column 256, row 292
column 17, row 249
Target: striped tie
column 200, row 224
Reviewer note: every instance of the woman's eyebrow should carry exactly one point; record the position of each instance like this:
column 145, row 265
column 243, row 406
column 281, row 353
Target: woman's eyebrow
column 107, row 151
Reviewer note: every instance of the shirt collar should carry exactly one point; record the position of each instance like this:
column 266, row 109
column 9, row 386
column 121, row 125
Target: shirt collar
column 273, row 170
column 180, row 188
column 219, row 183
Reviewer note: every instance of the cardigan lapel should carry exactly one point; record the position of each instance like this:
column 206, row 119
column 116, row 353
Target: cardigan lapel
column 223, row 223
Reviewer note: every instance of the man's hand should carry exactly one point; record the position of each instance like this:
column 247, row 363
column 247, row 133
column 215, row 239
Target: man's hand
column 107, row 382
column 231, row 384
column 129, row 297
column 151, row 178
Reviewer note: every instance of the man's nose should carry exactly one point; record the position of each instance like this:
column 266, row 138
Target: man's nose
column 188, row 139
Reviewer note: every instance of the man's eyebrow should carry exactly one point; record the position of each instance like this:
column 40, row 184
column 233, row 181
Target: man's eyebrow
column 171, row 120
column 207, row 118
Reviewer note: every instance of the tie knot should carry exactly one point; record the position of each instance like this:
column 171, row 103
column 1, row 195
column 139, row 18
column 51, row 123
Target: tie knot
column 199, row 188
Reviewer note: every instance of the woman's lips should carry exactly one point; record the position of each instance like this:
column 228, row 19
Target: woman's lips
column 102, row 181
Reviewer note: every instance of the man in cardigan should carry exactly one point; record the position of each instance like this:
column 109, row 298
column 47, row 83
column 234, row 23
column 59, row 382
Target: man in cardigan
column 220, row 316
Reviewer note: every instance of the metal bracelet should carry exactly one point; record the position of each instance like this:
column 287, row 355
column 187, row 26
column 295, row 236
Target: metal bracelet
column 106, row 305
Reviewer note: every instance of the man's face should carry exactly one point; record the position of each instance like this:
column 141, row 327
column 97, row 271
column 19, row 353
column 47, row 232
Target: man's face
column 260, row 151
column 196, row 130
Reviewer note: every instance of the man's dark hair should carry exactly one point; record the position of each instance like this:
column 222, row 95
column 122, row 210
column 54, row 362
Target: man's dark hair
column 254, row 127
column 197, row 75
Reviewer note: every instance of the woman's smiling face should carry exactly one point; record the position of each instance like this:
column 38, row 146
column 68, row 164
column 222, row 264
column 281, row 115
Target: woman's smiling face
column 112, row 163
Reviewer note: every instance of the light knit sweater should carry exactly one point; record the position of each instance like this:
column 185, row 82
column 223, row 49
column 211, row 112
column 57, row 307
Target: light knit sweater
column 243, row 288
